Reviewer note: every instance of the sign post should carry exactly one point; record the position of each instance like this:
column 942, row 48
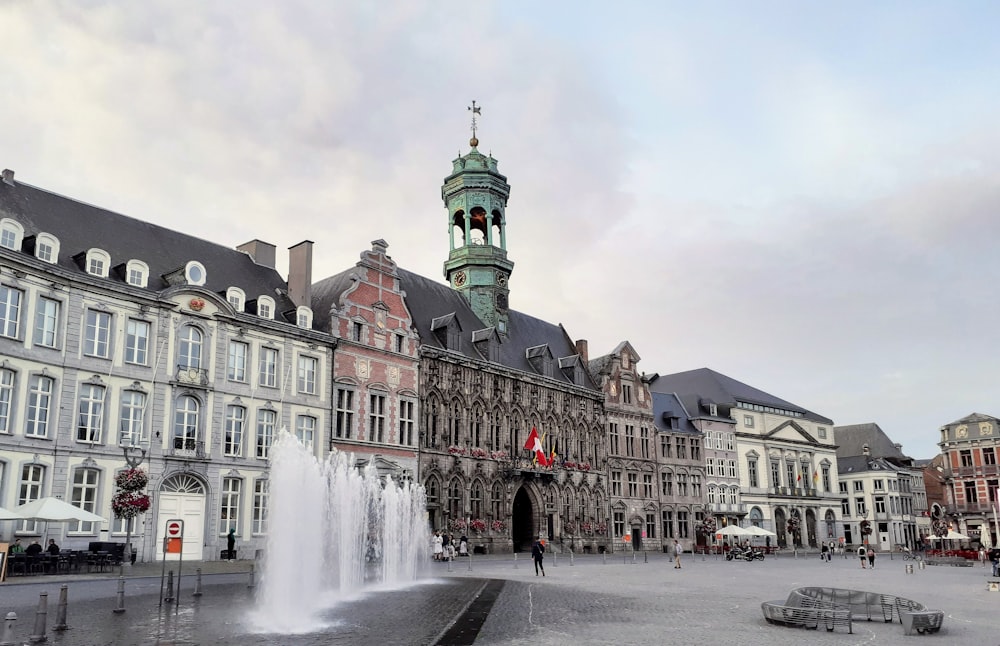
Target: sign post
column 173, row 543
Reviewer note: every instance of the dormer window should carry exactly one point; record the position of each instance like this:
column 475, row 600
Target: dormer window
column 447, row 331
column 236, row 298
column 97, row 263
column 487, row 343
column 540, row 358
column 137, row 273
column 194, row 273
column 304, row 317
column 265, row 307
column 47, row 248
column 11, row 234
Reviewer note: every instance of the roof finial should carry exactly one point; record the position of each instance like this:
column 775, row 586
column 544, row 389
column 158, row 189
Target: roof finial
column 475, row 110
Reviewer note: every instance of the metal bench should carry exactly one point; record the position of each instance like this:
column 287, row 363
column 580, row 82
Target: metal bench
column 806, row 612
column 811, row 607
column 922, row 621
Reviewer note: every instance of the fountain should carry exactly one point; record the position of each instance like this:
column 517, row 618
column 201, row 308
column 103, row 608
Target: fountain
column 334, row 533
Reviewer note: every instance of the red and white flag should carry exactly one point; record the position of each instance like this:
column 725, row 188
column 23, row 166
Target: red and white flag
column 534, row 443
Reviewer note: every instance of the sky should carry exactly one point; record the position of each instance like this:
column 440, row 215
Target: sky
column 802, row 196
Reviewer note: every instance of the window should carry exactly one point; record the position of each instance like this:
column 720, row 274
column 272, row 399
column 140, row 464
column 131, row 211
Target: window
column 11, row 234
column 752, row 472
column 97, row 263
column 682, row 484
column 790, row 472
column 236, row 297
column 46, row 322
column 194, row 273
column 845, row 507
column 633, row 484
column 822, row 432
column 345, row 413
column 668, row 524
column 407, row 420
column 97, row 334
column 859, row 486
column 683, row 529
column 626, row 393
column 6, row 399
column 265, row 307
column 30, row 489
column 860, row 507
column 137, row 342
column 236, row 361
column 136, row 273
column 711, row 494
column 647, row 485
column 229, row 513
column 696, row 485
column 879, row 504
column 682, row 448
column 616, row 483
column 186, row 423
column 630, row 440
column 878, row 485
column 650, row 525
column 666, row 446
column 376, row 417
column 748, row 421
column 132, row 408
column 667, row 483
column 10, row 311
column 644, row 443
column 85, row 497
column 843, row 487
column 190, row 347
column 260, row 502
column 305, row 430
column 614, row 438
column 710, row 466
column 268, row 374
column 989, row 456
column 303, row 317
column 966, row 457
column 308, row 366
column 232, row 442
column 399, row 342
column 732, row 468
column 266, row 420
column 39, row 405
column 775, row 474
column 618, row 523
column 730, row 442
column 971, row 495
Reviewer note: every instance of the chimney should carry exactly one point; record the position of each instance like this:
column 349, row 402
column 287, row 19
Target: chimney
column 262, row 253
column 865, row 450
column 8, row 176
column 300, row 273
column 581, row 349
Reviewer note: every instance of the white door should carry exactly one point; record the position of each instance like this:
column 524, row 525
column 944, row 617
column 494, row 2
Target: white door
column 883, row 539
column 182, row 497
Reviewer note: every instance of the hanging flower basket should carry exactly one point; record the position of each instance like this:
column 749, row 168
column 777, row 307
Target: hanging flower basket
column 708, row 525
column 569, row 527
column 478, row 525
column 601, row 529
column 131, row 480
column 866, row 528
column 793, row 525
column 129, row 504
column 587, row 528
column 458, row 525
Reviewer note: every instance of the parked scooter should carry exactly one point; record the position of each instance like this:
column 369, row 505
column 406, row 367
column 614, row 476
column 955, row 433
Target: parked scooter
column 740, row 554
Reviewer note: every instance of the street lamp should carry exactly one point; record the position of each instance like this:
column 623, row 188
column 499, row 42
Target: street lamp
column 134, row 456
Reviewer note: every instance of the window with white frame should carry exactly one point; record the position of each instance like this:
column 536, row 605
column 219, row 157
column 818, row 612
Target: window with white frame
column 265, row 307
column 11, row 234
column 618, row 522
column 236, row 298
column 376, row 417
column 90, row 414
column 232, row 442
column 46, row 322
column 748, row 421
column 236, row 361
column 667, row 483
column 345, row 413
column 266, row 421
column 40, row 390
column 10, row 311
column 305, row 430
column 133, row 406
column 632, row 479
column 732, row 468
column 734, row 494
column 6, row 400
column 186, row 418
column 710, row 466
column 229, row 513
column 730, row 442
column 97, row 263
column 616, row 483
column 268, row 374
column 30, row 490
column 47, row 248
column 137, row 342
column 194, row 273
column 85, row 497
column 822, row 432
column 97, row 334
column 304, row 317
column 407, row 421
column 711, row 494
column 189, row 348
column 308, row 367
column 137, row 273
column 260, row 503
column 647, row 485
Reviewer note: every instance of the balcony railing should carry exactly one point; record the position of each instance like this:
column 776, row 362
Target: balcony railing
column 186, row 447
column 970, row 508
column 191, row 376
column 728, row 508
column 794, row 492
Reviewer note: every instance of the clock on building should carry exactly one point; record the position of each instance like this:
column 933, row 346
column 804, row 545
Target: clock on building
column 501, row 279
column 459, row 278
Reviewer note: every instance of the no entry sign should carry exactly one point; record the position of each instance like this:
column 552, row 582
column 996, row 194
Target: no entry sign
column 173, row 537
column 175, row 528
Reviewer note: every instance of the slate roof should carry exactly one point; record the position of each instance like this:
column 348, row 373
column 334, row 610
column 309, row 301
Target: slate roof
column 326, row 293
column 974, row 418
column 696, row 386
column 852, row 438
column 863, row 463
column 79, row 227
column 671, row 404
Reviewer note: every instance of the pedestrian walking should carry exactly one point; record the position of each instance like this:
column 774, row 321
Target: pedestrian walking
column 995, row 559
column 677, row 555
column 538, row 555
column 231, row 544
column 862, row 555
column 982, row 555
column 871, row 557
column 824, row 554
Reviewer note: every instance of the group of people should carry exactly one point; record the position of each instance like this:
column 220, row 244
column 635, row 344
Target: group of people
column 35, row 548
column 826, row 552
column 865, row 552
column 444, row 546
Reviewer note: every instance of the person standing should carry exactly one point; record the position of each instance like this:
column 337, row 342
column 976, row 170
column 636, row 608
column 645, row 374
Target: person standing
column 438, row 546
column 678, row 550
column 825, row 553
column 862, row 553
column 995, row 559
column 871, row 557
column 538, row 555
column 231, row 544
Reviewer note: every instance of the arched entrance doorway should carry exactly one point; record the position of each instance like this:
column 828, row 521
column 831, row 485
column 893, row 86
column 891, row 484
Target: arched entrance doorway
column 182, row 496
column 811, row 527
column 522, row 529
column 781, row 527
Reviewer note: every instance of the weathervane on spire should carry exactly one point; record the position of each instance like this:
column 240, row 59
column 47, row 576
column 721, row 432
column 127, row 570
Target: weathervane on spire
column 476, row 110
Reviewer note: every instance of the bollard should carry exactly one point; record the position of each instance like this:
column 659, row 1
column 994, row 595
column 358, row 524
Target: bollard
column 909, row 568
column 571, row 558
column 604, row 556
column 120, row 608
column 8, row 629
column 703, row 553
column 921, row 565
column 251, row 584
column 41, row 615
column 61, row 608
column 555, row 560
column 633, row 557
column 645, row 556
column 515, row 560
column 469, row 556
column 449, row 565
column 170, row 587
column 197, row 583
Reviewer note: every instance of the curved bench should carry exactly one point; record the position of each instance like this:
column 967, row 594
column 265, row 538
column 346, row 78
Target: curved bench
column 811, row 607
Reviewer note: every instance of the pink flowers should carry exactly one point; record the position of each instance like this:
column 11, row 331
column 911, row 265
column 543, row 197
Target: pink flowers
column 130, row 501
column 478, row 525
column 479, row 453
column 131, row 479
column 498, row 526
column 499, row 455
column 456, row 450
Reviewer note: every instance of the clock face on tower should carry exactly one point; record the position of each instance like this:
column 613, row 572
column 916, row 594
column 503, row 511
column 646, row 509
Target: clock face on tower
column 459, row 278
column 501, row 279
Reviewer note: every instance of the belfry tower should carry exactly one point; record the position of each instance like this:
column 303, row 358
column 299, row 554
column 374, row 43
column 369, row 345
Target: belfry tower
column 475, row 195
